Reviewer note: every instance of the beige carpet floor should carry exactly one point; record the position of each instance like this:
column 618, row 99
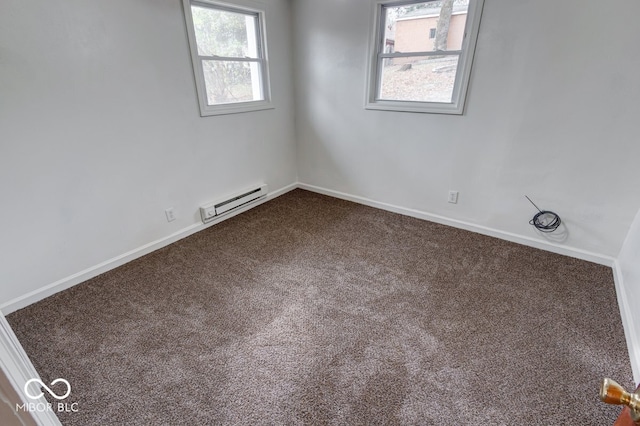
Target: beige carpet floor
column 312, row 310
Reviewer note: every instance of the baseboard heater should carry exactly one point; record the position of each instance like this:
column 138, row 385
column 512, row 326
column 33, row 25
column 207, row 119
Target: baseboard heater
column 214, row 210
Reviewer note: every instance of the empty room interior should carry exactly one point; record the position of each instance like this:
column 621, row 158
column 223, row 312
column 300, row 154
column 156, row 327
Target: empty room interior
column 319, row 212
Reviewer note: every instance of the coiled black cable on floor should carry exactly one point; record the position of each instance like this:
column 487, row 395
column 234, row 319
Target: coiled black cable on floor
column 544, row 220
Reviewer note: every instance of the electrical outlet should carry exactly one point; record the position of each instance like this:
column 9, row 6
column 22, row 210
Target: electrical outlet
column 171, row 216
column 453, row 197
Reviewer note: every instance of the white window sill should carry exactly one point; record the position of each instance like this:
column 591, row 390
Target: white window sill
column 223, row 109
column 420, row 107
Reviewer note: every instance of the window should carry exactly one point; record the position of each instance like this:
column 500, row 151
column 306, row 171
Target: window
column 422, row 74
column 229, row 57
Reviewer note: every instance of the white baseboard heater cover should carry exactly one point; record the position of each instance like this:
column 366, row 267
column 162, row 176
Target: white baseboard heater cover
column 212, row 211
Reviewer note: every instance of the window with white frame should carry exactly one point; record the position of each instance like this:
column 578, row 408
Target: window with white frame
column 418, row 73
column 229, row 57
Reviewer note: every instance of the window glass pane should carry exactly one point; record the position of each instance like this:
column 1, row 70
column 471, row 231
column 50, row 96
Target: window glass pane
column 421, row 80
column 232, row 81
column 425, row 27
column 223, row 33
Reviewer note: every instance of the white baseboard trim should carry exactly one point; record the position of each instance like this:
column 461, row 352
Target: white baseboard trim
column 77, row 278
column 630, row 332
column 520, row 239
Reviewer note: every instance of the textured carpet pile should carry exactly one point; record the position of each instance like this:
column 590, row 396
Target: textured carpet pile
column 312, row 310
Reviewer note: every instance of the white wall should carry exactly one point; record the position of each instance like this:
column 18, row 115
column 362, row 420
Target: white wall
column 629, row 292
column 552, row 112
column 100, row 132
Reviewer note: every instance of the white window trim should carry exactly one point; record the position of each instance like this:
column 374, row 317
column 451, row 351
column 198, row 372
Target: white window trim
column 462, row 75
column 237, row 107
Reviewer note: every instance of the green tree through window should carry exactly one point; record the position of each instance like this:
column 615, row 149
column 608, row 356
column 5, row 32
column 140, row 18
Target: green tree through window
column 228, row 55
